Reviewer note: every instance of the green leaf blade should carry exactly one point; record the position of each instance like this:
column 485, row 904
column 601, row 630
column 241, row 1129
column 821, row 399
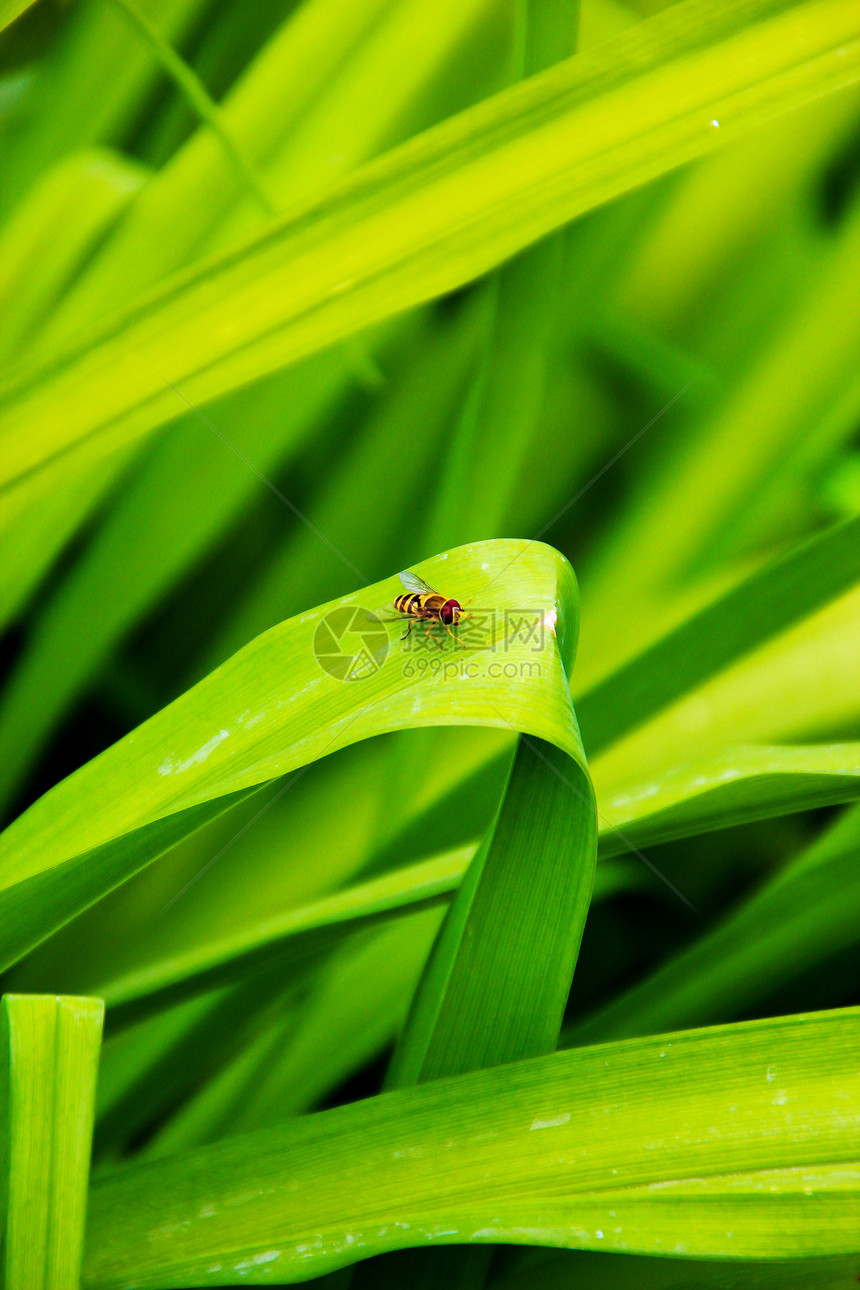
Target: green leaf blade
column 760, row 607
column 541, row 1151
column 802, row 916
column 477, row 188
column 50, row 1055
column 498, row 980
column 272, row 709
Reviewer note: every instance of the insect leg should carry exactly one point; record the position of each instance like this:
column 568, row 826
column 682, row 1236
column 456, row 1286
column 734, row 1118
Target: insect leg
column 429, row 630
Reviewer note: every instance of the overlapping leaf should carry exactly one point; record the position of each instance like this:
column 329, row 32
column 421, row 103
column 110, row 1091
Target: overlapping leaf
column 611, row 1147
column 274, row 708
column 435, row 213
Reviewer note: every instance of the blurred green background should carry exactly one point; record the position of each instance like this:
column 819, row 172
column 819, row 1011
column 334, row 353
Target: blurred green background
column 666, row 389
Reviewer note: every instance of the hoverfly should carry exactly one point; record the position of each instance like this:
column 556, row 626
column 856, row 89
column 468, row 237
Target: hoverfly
column 423, row 604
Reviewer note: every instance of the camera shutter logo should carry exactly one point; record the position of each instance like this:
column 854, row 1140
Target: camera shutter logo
column 350, row 643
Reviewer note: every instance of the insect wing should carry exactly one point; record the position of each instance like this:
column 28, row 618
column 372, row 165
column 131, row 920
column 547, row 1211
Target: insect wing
column 412, row 582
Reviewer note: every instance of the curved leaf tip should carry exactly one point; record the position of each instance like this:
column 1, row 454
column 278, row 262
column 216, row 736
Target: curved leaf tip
column 306, row 688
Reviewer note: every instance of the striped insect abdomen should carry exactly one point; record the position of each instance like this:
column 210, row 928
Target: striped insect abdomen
column 420, row 606
column 410, row 603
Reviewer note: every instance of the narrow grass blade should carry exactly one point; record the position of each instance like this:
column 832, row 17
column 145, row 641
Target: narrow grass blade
column 733, row 786
column 49, row 1052
column 190, row 487
column 729, row 787
column 53, row 231
column 499, row 976
column 197, row 96
column 764, row 604
column 515, row 167
column 68, row 111
column 804, row 915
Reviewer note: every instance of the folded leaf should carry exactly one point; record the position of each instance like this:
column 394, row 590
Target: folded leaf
column 283, row 702
column 734, row 787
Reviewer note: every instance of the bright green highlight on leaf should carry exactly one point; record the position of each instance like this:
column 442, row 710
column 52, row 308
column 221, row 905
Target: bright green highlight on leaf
column 403, row 230
column 273, row 708
column 720, row 1142
column 49, row 1053
column 12, row 9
